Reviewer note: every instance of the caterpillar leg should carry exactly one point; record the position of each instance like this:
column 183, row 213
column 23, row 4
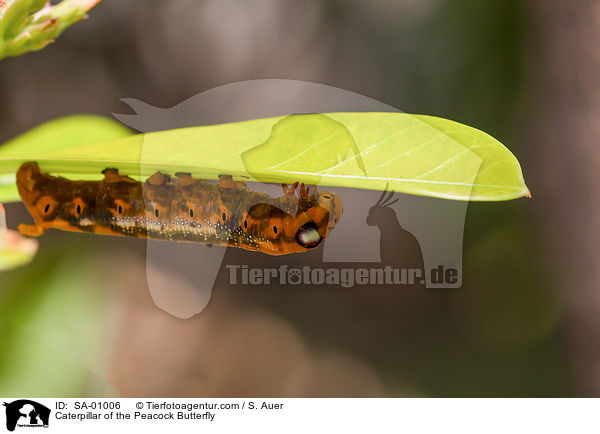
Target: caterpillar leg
column 226, row 181
column 159, row 179
column 30, row 230
column 289, row 192
column 111, row 176
column 308, row 190
column 184, row 178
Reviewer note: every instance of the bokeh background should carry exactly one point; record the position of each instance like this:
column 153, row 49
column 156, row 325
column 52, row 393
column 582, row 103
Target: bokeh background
column 79, row 320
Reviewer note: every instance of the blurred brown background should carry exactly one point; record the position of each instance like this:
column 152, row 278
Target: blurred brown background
column 526, row 321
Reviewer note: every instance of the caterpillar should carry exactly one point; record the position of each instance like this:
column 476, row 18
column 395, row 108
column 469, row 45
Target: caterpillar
column 180, row 208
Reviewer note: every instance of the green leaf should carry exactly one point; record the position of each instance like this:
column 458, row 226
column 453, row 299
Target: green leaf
column 407, row 153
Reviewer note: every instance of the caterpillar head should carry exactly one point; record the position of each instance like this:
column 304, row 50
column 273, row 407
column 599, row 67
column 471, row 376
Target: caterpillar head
column 278, row 233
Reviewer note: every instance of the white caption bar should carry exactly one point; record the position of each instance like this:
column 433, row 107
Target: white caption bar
column 156, row 415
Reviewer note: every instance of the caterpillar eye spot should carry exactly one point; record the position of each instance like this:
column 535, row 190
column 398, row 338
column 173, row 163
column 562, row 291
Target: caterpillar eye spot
column 46, row 205
column 156, row 213
column 245, row 224
column 224, row 217
column 120, row 209
column 275, row 230
column 191, row 213
column 78, row 209
column 326, row 197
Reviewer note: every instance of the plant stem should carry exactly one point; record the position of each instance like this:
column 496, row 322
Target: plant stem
column 30, row 25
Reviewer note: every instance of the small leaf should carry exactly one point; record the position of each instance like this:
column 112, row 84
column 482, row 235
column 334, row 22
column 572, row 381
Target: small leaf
column 30, row 25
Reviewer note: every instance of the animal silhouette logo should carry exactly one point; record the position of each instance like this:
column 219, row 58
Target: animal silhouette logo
column 26, row 413
column 397, row 245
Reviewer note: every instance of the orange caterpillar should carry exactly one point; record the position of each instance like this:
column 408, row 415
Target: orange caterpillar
column 179, row 209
